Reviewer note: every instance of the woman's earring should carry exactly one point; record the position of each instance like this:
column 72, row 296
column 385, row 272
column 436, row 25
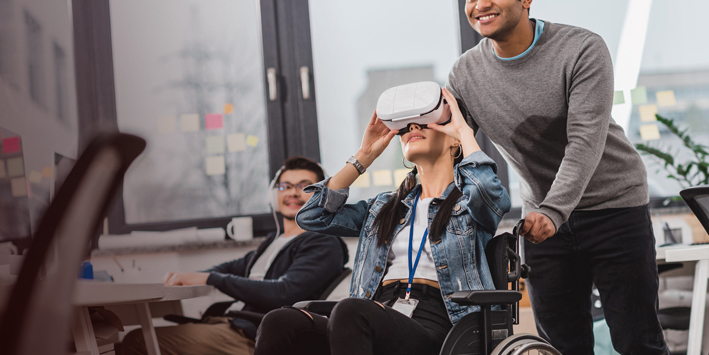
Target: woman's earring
column 460, row 152
column 403, row 161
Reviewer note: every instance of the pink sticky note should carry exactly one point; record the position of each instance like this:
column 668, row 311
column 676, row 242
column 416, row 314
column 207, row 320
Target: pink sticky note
column 213, row 121
column 11, row 145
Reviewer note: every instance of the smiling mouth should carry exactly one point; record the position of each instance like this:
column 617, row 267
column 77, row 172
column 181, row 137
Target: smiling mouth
column 486, row 17
column 294, row 204
column 416, row 138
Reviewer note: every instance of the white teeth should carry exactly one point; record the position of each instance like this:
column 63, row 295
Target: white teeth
column 483, row 18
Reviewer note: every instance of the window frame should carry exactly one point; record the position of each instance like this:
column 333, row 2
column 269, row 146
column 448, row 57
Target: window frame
column 291, row 120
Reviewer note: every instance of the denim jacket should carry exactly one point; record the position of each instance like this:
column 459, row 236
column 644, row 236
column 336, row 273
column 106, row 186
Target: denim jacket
column 459, row 254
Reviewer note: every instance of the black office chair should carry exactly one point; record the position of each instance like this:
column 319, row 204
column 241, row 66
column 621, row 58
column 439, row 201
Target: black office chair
column 488, row 331
column 38, row 313
column 697, row 198
column 219, row 309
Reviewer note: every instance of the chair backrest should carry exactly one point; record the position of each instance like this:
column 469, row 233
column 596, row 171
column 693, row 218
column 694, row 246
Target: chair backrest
column 498, row 259
column 698, row 200
column 333, row 285
column 505, row 263
column 502, row 253
column 38, row 313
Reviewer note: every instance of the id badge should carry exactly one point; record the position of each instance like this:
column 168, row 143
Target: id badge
column 406, row 307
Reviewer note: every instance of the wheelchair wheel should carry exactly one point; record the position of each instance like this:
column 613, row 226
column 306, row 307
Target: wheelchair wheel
column 524, row 344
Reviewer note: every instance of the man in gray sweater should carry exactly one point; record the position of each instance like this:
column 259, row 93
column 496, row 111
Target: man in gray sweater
column 543, row 92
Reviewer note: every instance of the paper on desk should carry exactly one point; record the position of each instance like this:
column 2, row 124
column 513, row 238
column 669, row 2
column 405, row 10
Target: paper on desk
column 167, row 238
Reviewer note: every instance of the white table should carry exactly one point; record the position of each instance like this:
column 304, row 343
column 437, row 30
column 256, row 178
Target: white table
column 700, row 255
column 92, row 293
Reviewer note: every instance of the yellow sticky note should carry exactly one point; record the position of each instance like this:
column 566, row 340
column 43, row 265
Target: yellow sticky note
column 252, row 140
column 166, row 124
column 19, row 187
column 35, row 176
column 3, row 172
column 400, row 175
column 216, row 165
column 647, row 113
column 618, row 97
column 189, row 122
column 649, row 132
column 382, row 178
column 228, row 108
column 236, row 142
column 666, row 98
column 15, row 167
column 362, row 181
column 215, row 145
column 638, row 96
column 47, row 172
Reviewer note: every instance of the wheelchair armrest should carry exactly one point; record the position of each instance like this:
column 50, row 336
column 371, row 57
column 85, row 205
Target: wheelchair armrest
column 486, row 297
column 217, row 309
column 323, row 308
column 253, row 317
column 180, row 319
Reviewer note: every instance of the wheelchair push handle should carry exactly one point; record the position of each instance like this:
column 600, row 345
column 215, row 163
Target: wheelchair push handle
column 518, row 228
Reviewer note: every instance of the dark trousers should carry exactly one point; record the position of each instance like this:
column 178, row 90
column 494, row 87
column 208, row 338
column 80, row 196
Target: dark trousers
column 359, row 326
column 613, row 249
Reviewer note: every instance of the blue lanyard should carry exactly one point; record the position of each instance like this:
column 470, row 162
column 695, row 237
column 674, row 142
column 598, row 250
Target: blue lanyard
column 412, row 270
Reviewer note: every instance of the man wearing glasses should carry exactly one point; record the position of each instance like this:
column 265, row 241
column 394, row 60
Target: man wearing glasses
column 292, row 266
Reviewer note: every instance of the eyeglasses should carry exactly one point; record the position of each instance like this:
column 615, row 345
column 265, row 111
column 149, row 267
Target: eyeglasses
column 285, row 186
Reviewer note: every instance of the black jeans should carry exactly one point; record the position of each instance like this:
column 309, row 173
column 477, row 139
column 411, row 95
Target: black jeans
column 613, row 248
column 359, row 326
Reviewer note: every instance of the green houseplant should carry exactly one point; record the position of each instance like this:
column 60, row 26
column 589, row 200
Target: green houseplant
column 694, row 171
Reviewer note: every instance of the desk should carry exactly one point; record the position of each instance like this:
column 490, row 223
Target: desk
column 700, row 255
column 91, row 293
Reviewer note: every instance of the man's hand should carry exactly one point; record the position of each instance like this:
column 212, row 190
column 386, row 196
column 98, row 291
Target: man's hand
column 185, row 278
column 537, row 227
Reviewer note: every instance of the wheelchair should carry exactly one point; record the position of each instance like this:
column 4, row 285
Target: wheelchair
column 488, row 332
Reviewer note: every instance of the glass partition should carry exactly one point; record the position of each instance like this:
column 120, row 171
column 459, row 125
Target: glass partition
column 189, row 79
column 362, row 49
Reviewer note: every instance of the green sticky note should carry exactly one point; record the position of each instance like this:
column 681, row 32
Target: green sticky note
column 618, row 98
column 638, row 95
column 215, row 145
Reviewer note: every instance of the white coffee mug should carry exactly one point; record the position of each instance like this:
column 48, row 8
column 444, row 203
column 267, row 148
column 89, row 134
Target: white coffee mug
column 240, row 228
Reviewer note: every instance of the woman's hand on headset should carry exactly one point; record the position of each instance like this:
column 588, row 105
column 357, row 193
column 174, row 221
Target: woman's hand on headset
column 458, row 128
column 376, row 138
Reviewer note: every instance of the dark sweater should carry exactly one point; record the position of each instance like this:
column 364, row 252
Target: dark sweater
column 302, row 270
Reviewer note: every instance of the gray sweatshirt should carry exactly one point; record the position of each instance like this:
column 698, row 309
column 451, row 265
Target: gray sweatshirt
column 549, row 114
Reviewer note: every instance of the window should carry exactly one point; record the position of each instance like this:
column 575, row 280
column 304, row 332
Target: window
column 674, row 61
column 649, row 55
column 356, row 61
column 35, row 56
column 189, row 79
column 220, row 89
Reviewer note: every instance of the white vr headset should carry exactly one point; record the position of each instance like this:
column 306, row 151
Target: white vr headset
column 421, row 103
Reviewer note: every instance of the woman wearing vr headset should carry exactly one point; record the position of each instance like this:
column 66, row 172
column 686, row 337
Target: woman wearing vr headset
column 417, row 245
